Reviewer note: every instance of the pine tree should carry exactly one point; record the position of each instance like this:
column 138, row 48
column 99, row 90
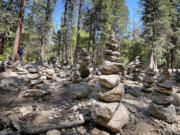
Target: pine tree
column 17, row 41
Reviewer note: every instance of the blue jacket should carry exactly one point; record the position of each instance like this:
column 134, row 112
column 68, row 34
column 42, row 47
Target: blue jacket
column 20, row 51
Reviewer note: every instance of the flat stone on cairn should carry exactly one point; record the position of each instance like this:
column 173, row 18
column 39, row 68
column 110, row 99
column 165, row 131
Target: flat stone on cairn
column 161, row 107
column 106, row 109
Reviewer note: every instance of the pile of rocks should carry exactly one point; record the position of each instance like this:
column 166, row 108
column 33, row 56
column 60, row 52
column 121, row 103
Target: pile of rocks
column 177, row 76
column 106, row 109
column 34, row 76
column 148, row 80
column 134, row 68
column 161, row 106
column 82, row 72
column 111, row 52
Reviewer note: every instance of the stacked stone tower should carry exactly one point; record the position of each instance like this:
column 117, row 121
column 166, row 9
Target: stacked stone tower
column 81, row 72
column 161, row 106
column 107, row 109
column 148, row 80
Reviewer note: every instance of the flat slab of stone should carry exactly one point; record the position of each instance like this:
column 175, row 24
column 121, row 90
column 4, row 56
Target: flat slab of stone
column 80, row 90
column 161, row 99
column 96, row 131
column 114, row 95
column 33, row 93
column 111, row 67
column 33, row 76
column 119, row 119
column 103, row 112
column 53, row 132
column 112, row 46
column 109, row 81
column 163, row 90
column 167, row 114
column 33, row 70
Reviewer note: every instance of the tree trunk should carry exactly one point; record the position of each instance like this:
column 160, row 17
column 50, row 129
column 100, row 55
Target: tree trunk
column 71, row 52
column 78, row 30
column 89, row 42
column 17, row 41
column 153, row 57
column 65, row 58
column 2, row 38
column 153, row 60
column 45, row 31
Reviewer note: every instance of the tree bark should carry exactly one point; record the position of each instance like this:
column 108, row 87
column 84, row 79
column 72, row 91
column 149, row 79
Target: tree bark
column 153, row 57
column 17, row 41
column 45, row 31
column 65, row 56
column 2, row 38
column 153, row 60
column 78, row 30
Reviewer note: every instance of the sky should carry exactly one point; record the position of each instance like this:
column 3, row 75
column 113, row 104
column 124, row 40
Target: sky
column 133, row 6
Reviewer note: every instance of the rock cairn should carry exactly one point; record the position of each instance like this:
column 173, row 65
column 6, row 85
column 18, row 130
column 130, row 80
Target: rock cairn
column 81, row 72
column 161, row 106
column 135, row 68
column 34, row 76
column 177, row 76
column 106, row 109
column 111, row 52
column 148, row 80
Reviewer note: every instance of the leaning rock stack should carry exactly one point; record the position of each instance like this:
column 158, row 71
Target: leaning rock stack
column 161, row 106
column 148, row 80
column 81, row 72
column 108, row 111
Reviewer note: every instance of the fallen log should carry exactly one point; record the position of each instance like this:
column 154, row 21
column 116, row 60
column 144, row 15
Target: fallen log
column 28, row 129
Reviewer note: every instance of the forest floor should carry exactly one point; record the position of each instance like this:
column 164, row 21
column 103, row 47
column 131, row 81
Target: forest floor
column 58, row 107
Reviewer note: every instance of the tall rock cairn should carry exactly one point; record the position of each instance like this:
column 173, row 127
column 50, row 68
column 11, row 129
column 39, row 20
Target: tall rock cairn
column 106, row 109
column 149, row 80
column 134, row 67
column 81, row 72
column 161, row 106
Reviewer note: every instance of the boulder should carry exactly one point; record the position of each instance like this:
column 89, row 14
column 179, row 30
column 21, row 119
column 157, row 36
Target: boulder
column 166, row 113
column 114, row 95
column 96, row 131
column 33, row 93
column 110, row 115
column 109, row 81
column 111, row 67
column 14, row 81
column 103, row 112
column 53, row 132
column 176, row 99
column 161, row 99
column 33, row 76
column 80, row 90
column 165, row 84
column 119, row 119
column 8, row 74
column 49, row 71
